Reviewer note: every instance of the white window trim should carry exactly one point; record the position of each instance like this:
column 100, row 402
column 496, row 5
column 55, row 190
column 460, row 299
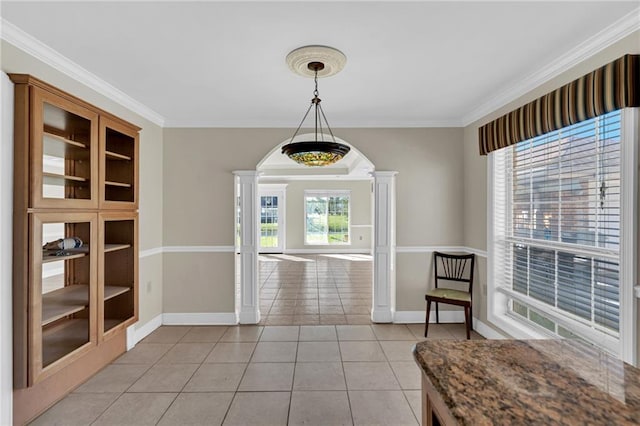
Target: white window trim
column 497, row 311
column 325, row 193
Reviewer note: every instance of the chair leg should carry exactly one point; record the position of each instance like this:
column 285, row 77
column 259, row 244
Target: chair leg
column 467, row 321
column 426, row 321
column 437, row 314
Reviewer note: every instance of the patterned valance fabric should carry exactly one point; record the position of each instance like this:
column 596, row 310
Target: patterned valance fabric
column 611, row 87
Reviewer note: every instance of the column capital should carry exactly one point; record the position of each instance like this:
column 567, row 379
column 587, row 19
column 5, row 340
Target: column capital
column 383, row 174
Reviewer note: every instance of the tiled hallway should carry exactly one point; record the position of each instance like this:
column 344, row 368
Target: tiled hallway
column 255, row 375
column 315, row 289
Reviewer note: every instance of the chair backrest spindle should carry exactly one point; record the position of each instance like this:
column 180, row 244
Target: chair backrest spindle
column 452, row 267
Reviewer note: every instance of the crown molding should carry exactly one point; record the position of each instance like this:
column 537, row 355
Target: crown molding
column 605, row 38
column 34, row 47
column 196, row 124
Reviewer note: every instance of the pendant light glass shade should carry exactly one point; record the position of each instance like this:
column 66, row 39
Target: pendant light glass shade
column 315, row 153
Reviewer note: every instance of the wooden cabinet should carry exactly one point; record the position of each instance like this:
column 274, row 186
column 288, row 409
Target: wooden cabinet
column 118, row 165
column 64, row 153
column 75, row 241
column 117, row 272
column 62, row 292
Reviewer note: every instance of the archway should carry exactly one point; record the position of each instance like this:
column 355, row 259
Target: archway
column 275, row 166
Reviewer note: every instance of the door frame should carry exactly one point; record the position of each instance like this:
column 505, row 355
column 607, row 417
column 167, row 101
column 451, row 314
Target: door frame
column 279, row 190
column 384, row 249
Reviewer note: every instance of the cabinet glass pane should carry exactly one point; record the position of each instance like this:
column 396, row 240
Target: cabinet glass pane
column 118, row 272
column 66, row 160
column 119, row 170
column 65, row 288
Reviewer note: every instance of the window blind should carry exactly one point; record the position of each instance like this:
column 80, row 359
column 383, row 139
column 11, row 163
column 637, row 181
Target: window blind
column 557, row 228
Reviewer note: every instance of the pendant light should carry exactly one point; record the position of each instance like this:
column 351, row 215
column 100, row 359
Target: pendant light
column 323, row 150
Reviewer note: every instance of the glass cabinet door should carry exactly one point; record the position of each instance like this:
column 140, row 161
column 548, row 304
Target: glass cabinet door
column 63, row 289
column 64, row 154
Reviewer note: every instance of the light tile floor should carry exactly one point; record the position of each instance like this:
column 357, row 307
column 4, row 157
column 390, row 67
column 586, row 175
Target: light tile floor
column 315, row 289
column 315, row 359
column 258, row 375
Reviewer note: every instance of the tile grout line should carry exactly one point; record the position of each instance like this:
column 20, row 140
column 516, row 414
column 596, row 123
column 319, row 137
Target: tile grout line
column 241, row 377
column 344, row 375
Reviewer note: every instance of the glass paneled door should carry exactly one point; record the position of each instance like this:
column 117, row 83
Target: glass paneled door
column 272, row 206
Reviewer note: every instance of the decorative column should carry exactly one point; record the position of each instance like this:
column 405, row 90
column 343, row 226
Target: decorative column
column 248, row 309
column 384, row 270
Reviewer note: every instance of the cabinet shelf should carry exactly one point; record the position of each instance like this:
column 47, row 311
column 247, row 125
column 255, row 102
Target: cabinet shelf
column 64, row 301
column 115, row 156
column 56, row 179
column 108, row 248
column 49, row 256
column 71, row 299
column 64, row 149
column 111, row 291
column 64, row 140
column 118, row 184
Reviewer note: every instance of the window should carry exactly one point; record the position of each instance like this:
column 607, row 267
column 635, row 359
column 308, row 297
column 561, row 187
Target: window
column 326, row 217
column 556, row 240
column 269, row 221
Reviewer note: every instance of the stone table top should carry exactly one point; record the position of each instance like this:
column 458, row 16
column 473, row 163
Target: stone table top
column 532, row 382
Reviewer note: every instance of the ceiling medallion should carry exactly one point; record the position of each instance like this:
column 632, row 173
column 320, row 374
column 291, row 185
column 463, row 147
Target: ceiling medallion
column 316, row 61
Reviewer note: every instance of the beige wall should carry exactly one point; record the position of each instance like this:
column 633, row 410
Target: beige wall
column 151, row 224
column 475, row 165
column 198, row 282
column 199, row 207
column 360, row 214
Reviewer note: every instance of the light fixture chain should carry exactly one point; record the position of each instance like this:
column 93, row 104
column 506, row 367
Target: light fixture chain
column 315, row 79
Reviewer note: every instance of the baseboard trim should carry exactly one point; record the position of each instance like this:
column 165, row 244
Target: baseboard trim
column 249, row 317
column 382, row 315
column 200, row 318
column 137, row 332
column 485, row 331
column 417, row 317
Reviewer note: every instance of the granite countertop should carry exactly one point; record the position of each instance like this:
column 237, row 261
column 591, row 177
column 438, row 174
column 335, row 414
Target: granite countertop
column 538, row 382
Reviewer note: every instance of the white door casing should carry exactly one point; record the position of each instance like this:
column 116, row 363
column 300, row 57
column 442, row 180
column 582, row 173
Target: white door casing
column 278, row 191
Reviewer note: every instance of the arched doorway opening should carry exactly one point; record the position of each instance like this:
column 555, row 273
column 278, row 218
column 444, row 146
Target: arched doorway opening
column 276, row 170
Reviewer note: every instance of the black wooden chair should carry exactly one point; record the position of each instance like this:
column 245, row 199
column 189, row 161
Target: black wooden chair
column 452, row 268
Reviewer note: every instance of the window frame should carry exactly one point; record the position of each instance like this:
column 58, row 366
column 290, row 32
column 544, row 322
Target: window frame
column 497, row 299
column 325, row 193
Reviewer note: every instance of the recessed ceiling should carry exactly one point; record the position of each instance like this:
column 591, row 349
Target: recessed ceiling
column 222, row 64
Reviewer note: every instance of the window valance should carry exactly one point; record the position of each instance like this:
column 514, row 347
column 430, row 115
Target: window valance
column 611, row 87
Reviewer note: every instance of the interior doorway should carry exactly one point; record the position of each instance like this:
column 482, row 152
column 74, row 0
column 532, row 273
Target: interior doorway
column 276, row 168
column 272, row 221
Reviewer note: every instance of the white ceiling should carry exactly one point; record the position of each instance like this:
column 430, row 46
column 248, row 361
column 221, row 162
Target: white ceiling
column 222, row 64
